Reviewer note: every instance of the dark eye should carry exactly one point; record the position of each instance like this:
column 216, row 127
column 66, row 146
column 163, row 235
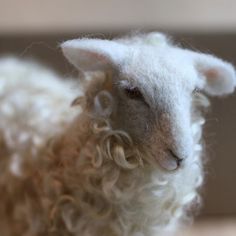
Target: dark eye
column 133, row 93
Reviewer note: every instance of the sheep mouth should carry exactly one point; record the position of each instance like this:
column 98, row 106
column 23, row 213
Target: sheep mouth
column 169, row 160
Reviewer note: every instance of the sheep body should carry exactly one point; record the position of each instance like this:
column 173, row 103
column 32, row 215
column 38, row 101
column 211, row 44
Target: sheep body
column 65, row 170
column 147, row 203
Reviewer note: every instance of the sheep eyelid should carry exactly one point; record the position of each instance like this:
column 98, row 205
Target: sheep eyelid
column 137, row 95
column 133, row 93
column 126, row 87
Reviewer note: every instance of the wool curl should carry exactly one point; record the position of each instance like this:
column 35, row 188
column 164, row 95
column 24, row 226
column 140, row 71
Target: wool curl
column 92, row 180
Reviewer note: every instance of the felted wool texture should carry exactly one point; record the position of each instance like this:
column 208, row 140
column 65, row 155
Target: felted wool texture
column 84, row 157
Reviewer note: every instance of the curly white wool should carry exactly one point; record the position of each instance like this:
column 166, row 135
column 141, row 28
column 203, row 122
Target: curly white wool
column 27, row 109
column 110, row 190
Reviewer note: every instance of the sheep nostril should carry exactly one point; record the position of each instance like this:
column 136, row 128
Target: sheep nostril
column 169, row 160
column 177, row 158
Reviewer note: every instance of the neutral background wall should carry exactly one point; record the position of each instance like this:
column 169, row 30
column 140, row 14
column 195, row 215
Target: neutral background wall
column 88, row 15
column 32, row 28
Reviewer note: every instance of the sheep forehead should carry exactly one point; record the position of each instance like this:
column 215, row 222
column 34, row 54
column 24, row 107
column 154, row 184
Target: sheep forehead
column 158, row 71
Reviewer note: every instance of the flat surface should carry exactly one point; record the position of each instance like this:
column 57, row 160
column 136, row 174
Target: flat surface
column 30, row 16
column 211, row 228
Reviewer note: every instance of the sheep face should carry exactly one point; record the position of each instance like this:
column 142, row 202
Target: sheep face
column 153, row 105
column 153, row 86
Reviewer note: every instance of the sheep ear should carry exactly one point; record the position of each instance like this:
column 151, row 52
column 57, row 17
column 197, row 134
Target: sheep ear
column 93, row 54
column 218, row 76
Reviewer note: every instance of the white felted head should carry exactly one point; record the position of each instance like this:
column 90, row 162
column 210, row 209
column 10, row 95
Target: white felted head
column 153, row 86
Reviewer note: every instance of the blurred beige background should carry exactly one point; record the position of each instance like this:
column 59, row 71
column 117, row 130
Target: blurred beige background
column 47, row 16
column 33, row 28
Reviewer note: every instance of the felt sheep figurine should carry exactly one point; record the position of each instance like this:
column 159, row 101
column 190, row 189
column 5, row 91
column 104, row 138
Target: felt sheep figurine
column 117, row 154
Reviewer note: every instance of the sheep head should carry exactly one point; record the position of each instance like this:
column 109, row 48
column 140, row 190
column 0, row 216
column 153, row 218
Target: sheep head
column 153, row 84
